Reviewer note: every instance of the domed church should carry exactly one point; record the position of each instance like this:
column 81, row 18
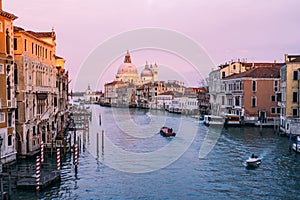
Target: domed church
column 128, row 72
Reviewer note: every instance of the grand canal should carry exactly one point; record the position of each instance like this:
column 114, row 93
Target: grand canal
column 137, row 163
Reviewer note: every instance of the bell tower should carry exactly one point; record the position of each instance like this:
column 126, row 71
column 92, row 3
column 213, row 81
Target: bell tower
column 155, row 71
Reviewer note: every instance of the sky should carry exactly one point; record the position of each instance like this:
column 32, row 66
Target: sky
column 224, row 30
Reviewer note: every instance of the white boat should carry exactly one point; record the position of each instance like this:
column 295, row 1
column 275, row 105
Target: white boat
column 253, row 161
column 296, row 147
column 213, row 120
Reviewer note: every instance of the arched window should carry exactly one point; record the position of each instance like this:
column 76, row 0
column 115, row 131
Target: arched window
column 7, row 42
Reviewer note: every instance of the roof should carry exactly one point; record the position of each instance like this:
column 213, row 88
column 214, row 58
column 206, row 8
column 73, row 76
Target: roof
column 40, row 34
column 8, row 15
column 259, row 72
column 254, row 65
column 58, row 57
column 292, row 58
column 167, row 93
column 111, row 83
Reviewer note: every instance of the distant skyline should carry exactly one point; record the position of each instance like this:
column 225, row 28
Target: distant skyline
column 259, row 31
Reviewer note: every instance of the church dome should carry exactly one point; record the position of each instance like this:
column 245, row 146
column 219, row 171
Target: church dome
column 147, row 72
column 127, row 71
column 127, row 68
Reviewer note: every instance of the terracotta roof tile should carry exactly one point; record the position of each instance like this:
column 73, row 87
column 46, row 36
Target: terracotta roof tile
column 260, row 72
column 40, row 34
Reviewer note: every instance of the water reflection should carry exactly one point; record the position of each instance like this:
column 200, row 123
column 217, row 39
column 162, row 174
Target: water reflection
column 221, row 174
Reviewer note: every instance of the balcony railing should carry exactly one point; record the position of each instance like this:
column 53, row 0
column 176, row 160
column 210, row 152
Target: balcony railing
column 42, row 89
column 12, row 103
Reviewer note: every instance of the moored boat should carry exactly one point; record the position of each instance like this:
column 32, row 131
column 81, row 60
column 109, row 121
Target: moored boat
column 213, row 120
column 232, row 120
column 167, row 132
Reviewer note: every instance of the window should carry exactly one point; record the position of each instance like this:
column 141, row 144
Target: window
column 16, row 74
column 1, row 68
column 33, row 131
column 278, row 96
column 273, row 98
column 223, row 74
column 234, row 67
column 295, row 75
column 55, row 101
column 273, row 110
column 9, row 140
column 295, row 97
column 253, row 86
column 2, row 117
column 25, row 45
column 276, row 86
column 15, row 44
column 295, row 112
column 17, row 114
column 253, row 101
column 9, row 119
column 32, row 48
column 7, row 38
column 278, row 110
column 237, row 101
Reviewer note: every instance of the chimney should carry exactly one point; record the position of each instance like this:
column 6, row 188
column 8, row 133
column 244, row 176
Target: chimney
column 0, row 4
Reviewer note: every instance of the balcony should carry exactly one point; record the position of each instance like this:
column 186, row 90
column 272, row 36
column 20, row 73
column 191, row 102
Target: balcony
column 42, row 89
column 12, row 103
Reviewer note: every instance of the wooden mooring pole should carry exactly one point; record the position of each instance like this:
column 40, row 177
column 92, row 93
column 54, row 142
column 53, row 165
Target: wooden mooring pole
column 102, row 141
column 97, row 145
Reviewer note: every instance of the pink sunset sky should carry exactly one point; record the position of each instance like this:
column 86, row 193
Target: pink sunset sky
column 259, row 31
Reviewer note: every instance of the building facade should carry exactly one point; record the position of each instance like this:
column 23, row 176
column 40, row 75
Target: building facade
column 289, row 96
column 253, row 93
column 7, row 88
column 42, row 92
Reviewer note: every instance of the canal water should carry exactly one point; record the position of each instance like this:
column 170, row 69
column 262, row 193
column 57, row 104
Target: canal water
column 136, row 162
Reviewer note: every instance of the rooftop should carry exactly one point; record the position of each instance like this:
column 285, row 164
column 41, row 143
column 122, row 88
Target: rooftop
column 259, row 72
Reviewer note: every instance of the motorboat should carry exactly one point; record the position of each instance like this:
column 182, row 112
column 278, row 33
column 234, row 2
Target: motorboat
column 167, row 132
column 253, row 161
column 232, row 120
column 213, row 120
column 296, row 147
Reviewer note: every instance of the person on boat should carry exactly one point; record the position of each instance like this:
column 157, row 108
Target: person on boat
column 253, row 156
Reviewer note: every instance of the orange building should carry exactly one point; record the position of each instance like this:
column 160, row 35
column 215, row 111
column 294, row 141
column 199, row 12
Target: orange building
column 41, row 90
column 7, row 90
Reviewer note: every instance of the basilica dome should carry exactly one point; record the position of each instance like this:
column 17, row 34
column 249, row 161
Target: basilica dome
column 127, row 71
column 147, row 72
column 127, row 68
